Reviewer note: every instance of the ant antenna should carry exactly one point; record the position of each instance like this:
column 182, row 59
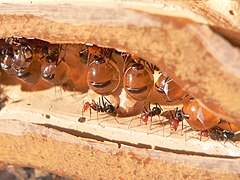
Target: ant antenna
column 62, row 58
column 107, row 100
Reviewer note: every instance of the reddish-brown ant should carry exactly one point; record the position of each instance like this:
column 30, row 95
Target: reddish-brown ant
column 103, row 75
column 149, row 113
column 155, row 111
column 138, row 78
column 198, row 117
column 176, row 119
column 170, row 91
column 104, row 105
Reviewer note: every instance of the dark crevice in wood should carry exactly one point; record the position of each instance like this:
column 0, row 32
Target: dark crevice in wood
column 139, row 145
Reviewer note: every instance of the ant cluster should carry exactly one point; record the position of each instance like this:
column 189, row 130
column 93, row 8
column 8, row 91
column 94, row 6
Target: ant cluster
column 32, row 59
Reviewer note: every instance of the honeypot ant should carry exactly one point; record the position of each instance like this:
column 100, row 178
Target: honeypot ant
column 6, row 56
column 104, row 106
column 55, row 70
column 138, row 78
column 169, row 90
column 198, row 117
column 103, row 75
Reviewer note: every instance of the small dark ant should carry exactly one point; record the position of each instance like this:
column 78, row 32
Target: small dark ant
column 155, row 111
column 104, row 106
column 177, row 117
column 219, row 134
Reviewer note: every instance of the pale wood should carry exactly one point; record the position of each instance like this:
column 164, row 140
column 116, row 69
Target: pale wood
column 27, row 144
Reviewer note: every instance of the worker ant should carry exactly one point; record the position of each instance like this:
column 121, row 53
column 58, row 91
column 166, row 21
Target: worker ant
column 138, row 77
column 177, row 117
column 149, row 113
column 103, row 105
column 219, row 134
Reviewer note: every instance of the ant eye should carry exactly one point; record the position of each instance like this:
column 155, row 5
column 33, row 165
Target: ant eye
column 55, row 74
column 138, row 81
column 169, row 89
column 103, row 76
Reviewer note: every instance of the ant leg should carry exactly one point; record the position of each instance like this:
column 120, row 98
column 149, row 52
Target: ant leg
column 97, row 119
column 90, row 111
column 141, row 118
column 116, row 120
column 130, row 123
column 150, row 124
column 104, row 103
column 162, row 123
column 182, row 129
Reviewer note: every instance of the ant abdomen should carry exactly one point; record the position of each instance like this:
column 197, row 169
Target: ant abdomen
column 169, row 90
column 138, row 81
column 233, row 127
column 103, row 76
column 32, row 73
column 198, row 117
column 55, row 74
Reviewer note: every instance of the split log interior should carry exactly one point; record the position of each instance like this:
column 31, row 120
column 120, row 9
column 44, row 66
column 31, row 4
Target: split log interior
column 195, row 43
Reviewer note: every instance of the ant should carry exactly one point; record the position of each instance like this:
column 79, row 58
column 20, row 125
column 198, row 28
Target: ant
column 104, row 106
column 138, row 78
column 55, row 70
column 155, row 111
column 217, row 133
column 103, row 75
column 169, row 90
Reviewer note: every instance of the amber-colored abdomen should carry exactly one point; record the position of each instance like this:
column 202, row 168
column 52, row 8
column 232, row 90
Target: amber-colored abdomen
column 199, row 117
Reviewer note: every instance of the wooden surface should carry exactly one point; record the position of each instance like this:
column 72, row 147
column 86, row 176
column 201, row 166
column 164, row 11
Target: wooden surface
column 200, row 66
column 27, row 144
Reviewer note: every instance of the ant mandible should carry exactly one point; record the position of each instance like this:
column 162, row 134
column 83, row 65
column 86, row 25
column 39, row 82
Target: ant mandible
column 104, row 106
